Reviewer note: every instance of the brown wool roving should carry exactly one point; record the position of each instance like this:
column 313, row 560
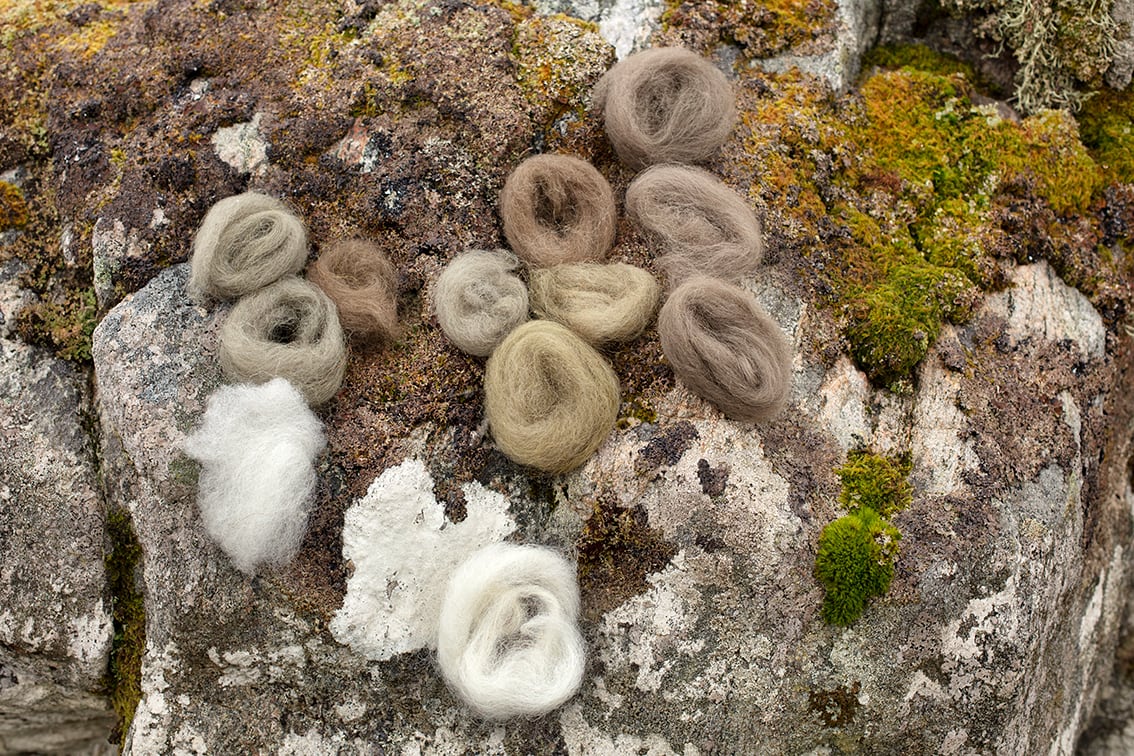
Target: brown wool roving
column 289, row 329
column 549, row 397
column 601, row 303
column 702, row 226
column 726, row 349
column 363, row 284
column 558, row 209
column 245, row 243
column 666, row 105
column 479, row 300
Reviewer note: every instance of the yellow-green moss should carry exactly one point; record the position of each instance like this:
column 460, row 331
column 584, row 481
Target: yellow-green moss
column 65, row 326
column 876, row 481
column 13, row 207
column 1106, row 124
column 124, row 677
column 917, row 58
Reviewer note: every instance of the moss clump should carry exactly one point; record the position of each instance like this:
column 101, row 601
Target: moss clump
column 760, row 29
column 558, row 59
column 13, row 207
column 916, row 58
column 124, row 677
column 65, row 326
column 1106, row 124
column 855, row 559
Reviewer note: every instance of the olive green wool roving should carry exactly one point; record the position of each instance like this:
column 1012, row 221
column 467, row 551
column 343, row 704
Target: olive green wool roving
column 245, row 242
column 363, row 284
column 558, row 209
column 601, row 303
column 726, row 349
column 289, row 329
column 665, row 105
column 550, row 398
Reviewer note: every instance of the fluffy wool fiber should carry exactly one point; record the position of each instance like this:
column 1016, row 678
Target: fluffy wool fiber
column 702, row 226
column 363, row 284
column 288, row 329
column 508, row 642
column 549, row 397
column 665, row 105
column 245, row 243
column 558, row 209
column 601, row 303
column 726, row 349
column 479, row 300
column 256, row 446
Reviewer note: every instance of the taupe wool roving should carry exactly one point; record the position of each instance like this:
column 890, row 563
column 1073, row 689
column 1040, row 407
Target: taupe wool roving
column 601, row 303
column 726, row 349
column 665, row 105
column 245, row 242
column 702, row 226
column 508, row 641
column 289, row 329
column 363, row 284
column 549, row 397
column 558, row 209
column 479, row 300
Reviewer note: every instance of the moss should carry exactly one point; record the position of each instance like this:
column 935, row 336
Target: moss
column 65, row 325
column 558, row 59
column 636, row 410
column 1106, row 125
column 916, row 58
column 123, row 565
column 13, row 208
column 760, row 29
column 855, row 563
column 875, row 481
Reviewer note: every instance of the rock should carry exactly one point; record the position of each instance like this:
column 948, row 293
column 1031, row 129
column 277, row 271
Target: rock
column 1121, row 69
column 55, row 625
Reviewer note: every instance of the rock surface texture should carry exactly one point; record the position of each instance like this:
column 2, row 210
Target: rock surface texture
column 955, row 283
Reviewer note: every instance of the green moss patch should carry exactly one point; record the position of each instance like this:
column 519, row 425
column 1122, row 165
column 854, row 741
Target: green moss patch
column 13, row 208
column 65, row 325
column 1106, row 123
column 123, row 563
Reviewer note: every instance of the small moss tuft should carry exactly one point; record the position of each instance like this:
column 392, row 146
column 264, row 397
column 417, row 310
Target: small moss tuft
column 875, row 481
column 65, row 326
column 124, row 677
column 916, row 58
column 855, row 563
column 13, row 207
column 1106, row 124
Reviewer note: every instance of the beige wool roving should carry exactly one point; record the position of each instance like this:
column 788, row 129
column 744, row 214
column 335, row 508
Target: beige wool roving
column 289, row 329
column 549, row 397
column 665, row 105
column 726, row 349
column 702, row 226
column 601, row 303
column 363, row 284
column 245, row 242
column 558, row 209
column 479, row 300
column 508, row 641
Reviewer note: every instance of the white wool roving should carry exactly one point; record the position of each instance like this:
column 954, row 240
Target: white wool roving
column 508, row 642
column 257, row 447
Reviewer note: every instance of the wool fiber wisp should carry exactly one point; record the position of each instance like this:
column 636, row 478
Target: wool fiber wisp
column 256, row 446
column 508, row 639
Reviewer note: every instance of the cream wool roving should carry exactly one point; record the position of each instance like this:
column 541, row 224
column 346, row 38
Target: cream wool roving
column 665, row 105
column 702, row 226
column 478, row 300
column 508, row 641
column 549, row 397
column 289, row 329
column 726, row 349
column 256, row 446
column 558, row 209
column 601, row 303
column 245, row 242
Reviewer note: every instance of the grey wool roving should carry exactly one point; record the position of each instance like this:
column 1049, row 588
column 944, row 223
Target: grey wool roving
column 726, row 349
column 665, row 105
column 478, row 300
column 245, row 242
column 701, row 226
column 508, row 640
column 601, row 303
column 289, row 329
column 256, row 446
column 550, row 398
column 363, row 284
column 558, row 209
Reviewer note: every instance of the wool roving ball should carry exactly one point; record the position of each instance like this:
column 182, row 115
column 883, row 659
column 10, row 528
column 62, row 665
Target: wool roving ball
column 726, row 349
column 601, row 303
column 508, row 642
column 256, row 446
column 665, row 105
column 478, row 300
column 549, row 397
column 702, row 226
column 289, row 329
column 245, row 242
column 558, row 209
column 363, row 284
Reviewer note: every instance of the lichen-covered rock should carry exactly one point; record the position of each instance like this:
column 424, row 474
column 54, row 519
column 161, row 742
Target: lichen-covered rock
column 55, row 623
